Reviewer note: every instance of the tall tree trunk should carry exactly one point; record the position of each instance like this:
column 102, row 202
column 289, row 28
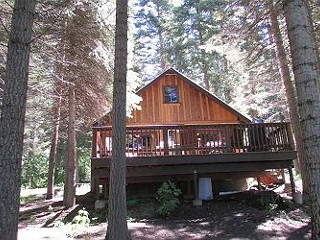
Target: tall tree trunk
column 54, row 146
column 305, row 69
column 117, row 223
column 70, row 164
column 289, row 88
column 13, row 116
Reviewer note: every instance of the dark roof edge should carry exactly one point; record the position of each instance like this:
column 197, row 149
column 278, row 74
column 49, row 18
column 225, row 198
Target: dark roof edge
column 201, row 89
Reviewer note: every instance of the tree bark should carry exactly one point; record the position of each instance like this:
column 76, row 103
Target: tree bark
column 13, row 116
column 70, row 164
column 117, row 224
column 289, row 88
column 305, row 69
column 54, row 146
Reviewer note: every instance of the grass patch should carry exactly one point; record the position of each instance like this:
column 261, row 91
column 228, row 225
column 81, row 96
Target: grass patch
column 30, row 198
column 27, row 199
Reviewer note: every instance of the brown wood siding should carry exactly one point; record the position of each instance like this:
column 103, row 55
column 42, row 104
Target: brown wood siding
column 194, row 106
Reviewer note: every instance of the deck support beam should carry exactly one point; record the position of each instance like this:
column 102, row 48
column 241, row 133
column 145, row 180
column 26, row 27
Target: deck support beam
column 196, row 202
column 292, row 184
column 195, row 181
column 259, row 183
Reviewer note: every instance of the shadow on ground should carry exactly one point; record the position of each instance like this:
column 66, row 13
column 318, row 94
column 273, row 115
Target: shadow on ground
column 233, row 217
column 228, row 218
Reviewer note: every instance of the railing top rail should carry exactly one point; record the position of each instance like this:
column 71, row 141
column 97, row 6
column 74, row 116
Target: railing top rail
column 192, row 126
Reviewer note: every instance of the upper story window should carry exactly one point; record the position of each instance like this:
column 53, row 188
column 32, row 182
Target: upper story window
column 171, row 95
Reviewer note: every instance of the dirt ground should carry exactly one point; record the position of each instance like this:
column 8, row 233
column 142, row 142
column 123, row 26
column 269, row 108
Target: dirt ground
column 234, row 217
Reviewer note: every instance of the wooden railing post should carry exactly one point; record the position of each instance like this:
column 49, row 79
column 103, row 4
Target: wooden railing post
column 227, row 139
column 197, row 139
column 94, row 143
column 290, row 136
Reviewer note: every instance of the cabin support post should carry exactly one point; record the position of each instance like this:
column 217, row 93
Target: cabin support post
column 195, row 181
column 259, row 183
column 92, row 183
column 293, row 187
column 96, row 189
column 189, row 192
column 196, row 201
column 106, row 191
column 283, row 176
column 215, row 187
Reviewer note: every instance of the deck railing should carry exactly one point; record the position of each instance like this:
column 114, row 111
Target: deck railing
column 196, row 139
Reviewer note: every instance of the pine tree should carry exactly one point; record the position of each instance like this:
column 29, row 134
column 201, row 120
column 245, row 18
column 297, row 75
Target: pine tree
column 117, row 218
column 13, row 114
column 86, row 76
column 263, row 93
column 285, row 72
column 306, row 72
column 152, row 24
column 196, row 22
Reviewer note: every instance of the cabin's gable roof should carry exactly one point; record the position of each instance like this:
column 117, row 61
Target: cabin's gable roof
column 199, row 88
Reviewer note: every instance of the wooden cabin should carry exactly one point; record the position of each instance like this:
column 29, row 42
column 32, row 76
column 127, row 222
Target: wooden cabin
column 181, row 130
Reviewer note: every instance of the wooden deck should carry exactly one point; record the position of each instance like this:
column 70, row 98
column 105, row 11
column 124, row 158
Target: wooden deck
column 156, row 153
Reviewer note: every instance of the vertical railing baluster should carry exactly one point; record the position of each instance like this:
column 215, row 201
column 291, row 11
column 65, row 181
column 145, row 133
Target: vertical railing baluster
column 165, row 141
column 290, row 137
column 272, row 138
column 196, row 139
column 267, row 142
column 283, row 136
column 247, row 138
column 94, row 143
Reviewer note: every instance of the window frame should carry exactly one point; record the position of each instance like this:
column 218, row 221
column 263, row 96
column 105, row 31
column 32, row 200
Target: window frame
column 164, row 94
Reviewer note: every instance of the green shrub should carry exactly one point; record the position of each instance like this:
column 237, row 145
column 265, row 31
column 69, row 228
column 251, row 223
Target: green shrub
column 82, row 218
column 80, row 223
column 168, row 197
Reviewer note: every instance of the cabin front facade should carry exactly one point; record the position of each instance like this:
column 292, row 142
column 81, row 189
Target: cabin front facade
column 181, row 131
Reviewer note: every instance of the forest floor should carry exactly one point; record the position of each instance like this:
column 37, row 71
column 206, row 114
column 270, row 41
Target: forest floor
column 227, row 217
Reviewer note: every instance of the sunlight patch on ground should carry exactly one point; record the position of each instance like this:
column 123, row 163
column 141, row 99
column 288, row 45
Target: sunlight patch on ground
column 33, row 233
column 280, row 227
column 81, row 189
column 147, row 231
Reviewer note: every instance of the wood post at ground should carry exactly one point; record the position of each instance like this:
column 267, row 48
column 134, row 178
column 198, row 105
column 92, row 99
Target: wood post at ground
column 283, row 176
column 92, row 183
column 106, row 191
column 259, row 183
column 96, row 189
column 195, row 181
column 293, row 186
column 196, row 202
column 189, row 188
column 215, row 187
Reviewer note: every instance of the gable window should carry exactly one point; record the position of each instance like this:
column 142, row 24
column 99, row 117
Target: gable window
column 171, row 94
